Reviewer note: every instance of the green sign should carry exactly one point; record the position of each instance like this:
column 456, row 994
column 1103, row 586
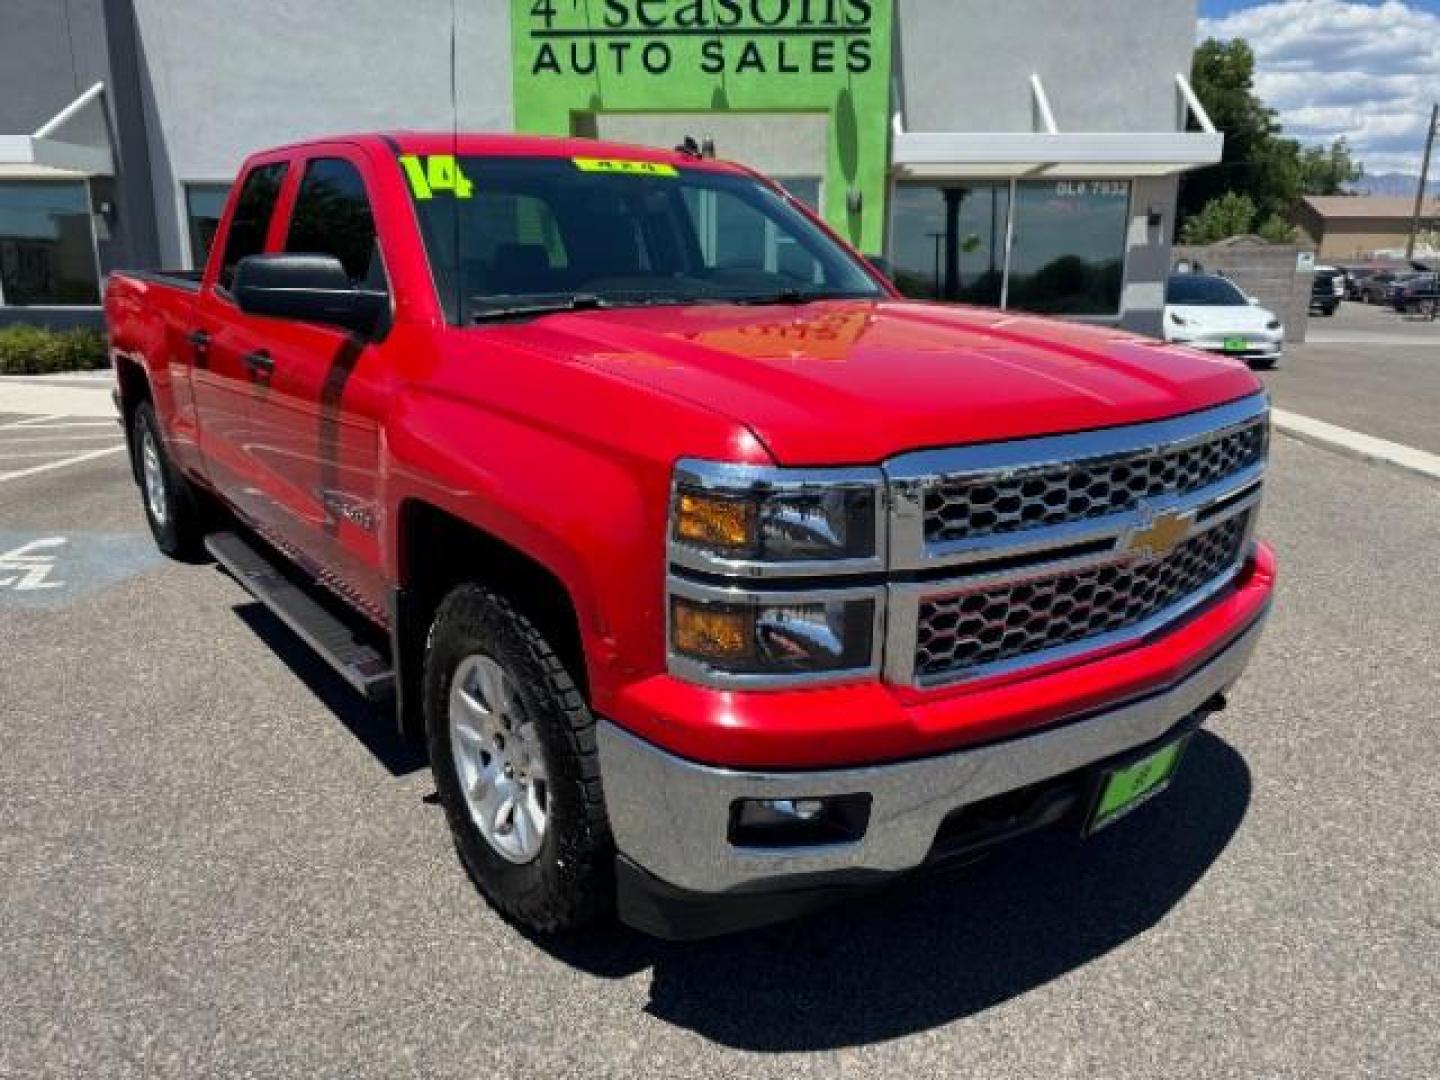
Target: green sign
column 574, row 59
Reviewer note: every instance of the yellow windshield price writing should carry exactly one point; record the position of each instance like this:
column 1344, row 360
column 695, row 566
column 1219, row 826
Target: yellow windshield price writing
column 633, row 168
column 438, row 172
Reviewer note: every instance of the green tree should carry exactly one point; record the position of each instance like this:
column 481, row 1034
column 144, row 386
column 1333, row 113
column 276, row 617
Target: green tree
column 1258, row 161
column 1325, row 170
column 1224, row 216
column 1276, row 230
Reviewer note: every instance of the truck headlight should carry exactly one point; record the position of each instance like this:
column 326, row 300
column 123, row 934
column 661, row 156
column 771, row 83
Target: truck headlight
column 728, row 517
column 736, row 529
column 739, row 637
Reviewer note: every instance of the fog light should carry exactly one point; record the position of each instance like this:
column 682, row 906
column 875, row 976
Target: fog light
column 799, row 822
column 799, row 809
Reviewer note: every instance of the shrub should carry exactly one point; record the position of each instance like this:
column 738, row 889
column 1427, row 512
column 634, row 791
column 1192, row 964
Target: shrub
column 33, row 350
column 1222, row 217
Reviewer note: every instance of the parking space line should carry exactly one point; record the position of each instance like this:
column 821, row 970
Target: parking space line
column 60, row 438
column 76, row 460
column 29, row 420
column 7, row 457
column 64, row 424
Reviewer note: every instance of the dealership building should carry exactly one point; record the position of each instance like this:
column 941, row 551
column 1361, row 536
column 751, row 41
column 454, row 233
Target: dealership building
column 1024, row 154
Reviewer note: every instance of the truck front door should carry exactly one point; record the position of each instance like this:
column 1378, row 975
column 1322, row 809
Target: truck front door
column 316, row 413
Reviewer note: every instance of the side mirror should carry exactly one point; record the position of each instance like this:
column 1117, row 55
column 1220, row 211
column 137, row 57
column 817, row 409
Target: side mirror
column 882, row 266
column 307, row 288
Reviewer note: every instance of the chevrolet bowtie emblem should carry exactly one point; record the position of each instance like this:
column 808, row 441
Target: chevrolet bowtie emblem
column 1159, row 537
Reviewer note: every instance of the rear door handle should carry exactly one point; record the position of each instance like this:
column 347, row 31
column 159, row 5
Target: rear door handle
column 260, row 362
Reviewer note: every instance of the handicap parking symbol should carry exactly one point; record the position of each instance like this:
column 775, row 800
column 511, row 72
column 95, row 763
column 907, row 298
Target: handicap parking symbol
column 29, row 566
column 46, row 570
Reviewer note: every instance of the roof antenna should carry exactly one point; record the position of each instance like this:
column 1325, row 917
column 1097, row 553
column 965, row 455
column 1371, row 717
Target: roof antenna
column 690, row 148
column 460, row 284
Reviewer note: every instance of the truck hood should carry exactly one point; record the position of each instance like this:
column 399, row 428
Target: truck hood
column 852, row 381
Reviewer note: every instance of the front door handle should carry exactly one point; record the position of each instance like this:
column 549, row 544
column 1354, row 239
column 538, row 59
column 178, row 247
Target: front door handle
column 260, row 362
column 199, row 338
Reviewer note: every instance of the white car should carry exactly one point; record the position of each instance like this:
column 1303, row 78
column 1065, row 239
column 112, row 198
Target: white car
column 1209, row 312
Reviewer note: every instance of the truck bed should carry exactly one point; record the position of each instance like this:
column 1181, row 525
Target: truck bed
column 189, row 280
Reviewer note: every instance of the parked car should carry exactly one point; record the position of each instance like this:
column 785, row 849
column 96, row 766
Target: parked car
column 1327, row 289
column 1415, row 291
column 718, row 579
column 1375, row 288
column 1206, row 311
column 1356, row 276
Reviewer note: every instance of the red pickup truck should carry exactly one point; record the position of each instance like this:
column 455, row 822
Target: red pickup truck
column 718, row 579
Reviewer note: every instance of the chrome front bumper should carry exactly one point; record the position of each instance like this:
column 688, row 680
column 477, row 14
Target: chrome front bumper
column 671, row 816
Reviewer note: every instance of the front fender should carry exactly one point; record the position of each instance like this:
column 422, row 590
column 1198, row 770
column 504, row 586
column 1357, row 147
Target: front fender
column 579, row 482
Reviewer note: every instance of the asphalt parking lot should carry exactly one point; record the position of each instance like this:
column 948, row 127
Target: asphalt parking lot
column 1367, row 368
column 214, row 863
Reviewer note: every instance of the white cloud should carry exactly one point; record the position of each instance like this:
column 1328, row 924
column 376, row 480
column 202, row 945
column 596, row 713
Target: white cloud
column 1339, row 67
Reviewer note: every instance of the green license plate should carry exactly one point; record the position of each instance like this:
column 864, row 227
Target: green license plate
column 1123, row 789
column 1235, row 344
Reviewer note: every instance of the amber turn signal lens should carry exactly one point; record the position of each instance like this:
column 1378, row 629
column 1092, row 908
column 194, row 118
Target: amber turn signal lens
column 717, row 633
column 714, row 522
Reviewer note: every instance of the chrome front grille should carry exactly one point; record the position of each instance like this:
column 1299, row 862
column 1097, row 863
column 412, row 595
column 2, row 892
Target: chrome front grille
column 1010, row 555
column 993, row 624
column 968, row 506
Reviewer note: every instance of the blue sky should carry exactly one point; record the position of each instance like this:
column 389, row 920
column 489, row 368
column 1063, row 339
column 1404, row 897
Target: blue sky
column 1365, row 69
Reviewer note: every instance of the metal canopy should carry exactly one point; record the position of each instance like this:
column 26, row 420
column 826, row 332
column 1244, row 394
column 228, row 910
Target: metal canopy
column 41, row 155
column 1049, row 151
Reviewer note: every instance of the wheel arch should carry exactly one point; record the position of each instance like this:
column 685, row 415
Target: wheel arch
column 436, row 550
column 133, row 382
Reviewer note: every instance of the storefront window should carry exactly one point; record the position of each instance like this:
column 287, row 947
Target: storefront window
column 204, row 205
column 1068, row 252
column 949, row 240
column 47, row 243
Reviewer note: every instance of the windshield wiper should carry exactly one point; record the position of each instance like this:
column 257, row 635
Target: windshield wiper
column 546, row 306
column 779, row 296
column 792, row 295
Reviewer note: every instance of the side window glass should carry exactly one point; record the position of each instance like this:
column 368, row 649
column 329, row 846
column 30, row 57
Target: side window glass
column 251, row 220
column 332, row 217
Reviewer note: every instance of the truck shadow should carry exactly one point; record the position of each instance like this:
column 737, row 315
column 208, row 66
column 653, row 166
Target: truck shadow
column 942, row 948
column 375, row 733
column 921, row 954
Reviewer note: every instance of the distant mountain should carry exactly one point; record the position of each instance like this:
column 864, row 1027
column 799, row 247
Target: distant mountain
column 1392, row 183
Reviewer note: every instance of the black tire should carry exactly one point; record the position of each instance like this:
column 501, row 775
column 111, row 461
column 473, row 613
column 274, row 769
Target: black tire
column 1264, row 363
column 178, row 526
column 570, row 883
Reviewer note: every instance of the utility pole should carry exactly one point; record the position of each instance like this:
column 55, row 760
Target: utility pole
column 1420, row 187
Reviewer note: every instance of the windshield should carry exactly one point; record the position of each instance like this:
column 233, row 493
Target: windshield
column 520, row 236
column 1202, row 290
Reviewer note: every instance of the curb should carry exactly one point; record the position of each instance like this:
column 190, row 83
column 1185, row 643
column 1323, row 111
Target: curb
column 29, row 395
column 1354, row 444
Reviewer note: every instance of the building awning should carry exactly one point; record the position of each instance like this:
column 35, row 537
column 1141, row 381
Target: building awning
column 1051, row 152
column 41, row 155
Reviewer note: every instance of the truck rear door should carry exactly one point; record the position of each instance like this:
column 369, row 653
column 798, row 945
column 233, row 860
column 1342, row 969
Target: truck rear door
column 226, row 343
